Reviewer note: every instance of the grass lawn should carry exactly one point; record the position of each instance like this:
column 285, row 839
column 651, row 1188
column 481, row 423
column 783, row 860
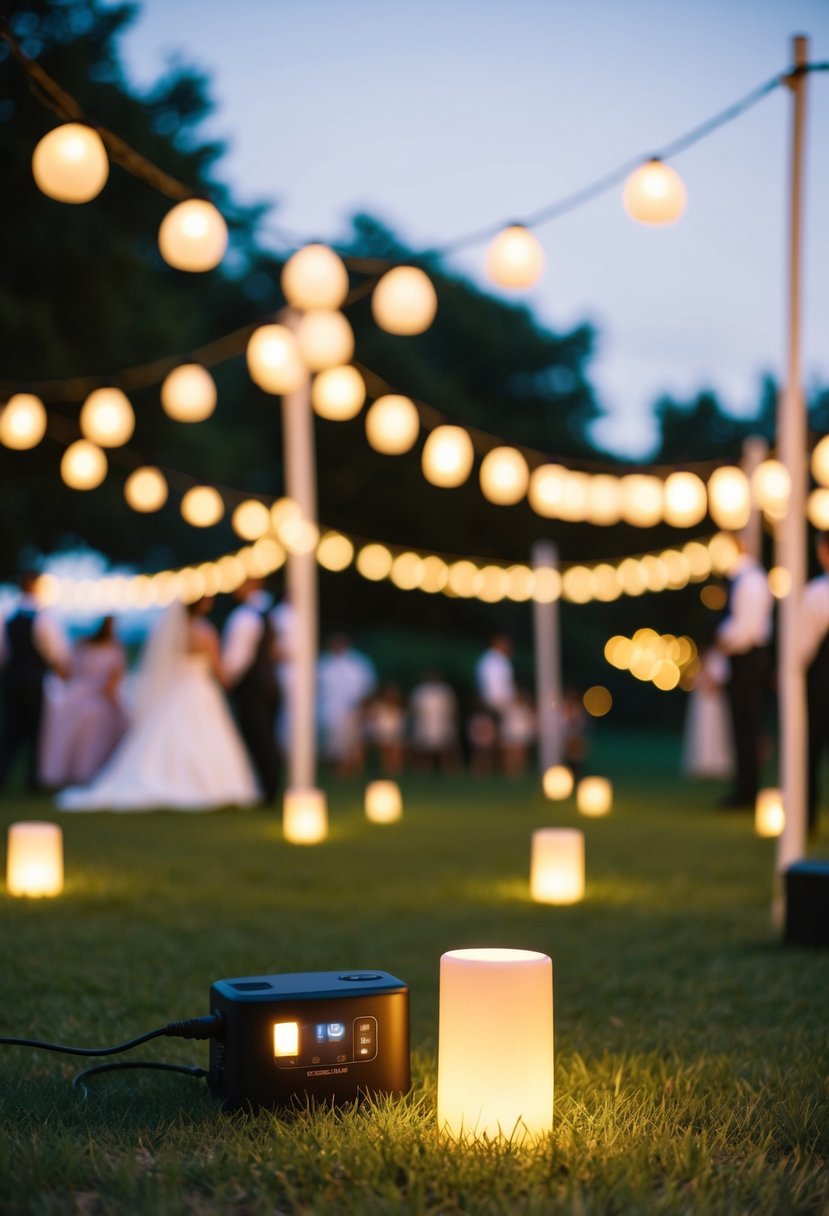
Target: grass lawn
column 692, row 1049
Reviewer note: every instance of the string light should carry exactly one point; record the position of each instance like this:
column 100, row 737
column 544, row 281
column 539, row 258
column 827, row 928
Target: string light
column 83, row 466
column 274, row 361
column 251, row 519
column 193, row 236
column 22, row 422
column 447, row 456
column 504, row 476
column 314, row 277
column 325, row 339
column 771, row 486
column 820, row 461
column 404, row 301
column 188, row 393
column 729, row 497
column 654, row 194
column 146, row 489
column 515, row 258
column 685, row 500
column 338, row 393
column 70, row 163
column 392, row 424
column 107, row 418
column 202, row 506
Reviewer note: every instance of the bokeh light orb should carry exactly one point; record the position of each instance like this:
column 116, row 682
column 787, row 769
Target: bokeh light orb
column 250, row 519
column 146, row 489
column 820, row 461
column 654, row 194
column 70, row 163
column 546, row 490
column 202, row 506
column 447, row 456
column 642, row 499
column 771, row 486
column 729, row 497
column 504, row 476
column 817, row 509
column 338, row 393
column 515, row 258
column 107, row 418
column 83, row 466
column 314, row 277
column 325, row 339
column 392, row 424
column 22, row 422
column 685, row 500
column 188, row 393
column 193, row 236
column 274, row 361
column 558, row 782
column 404, row 301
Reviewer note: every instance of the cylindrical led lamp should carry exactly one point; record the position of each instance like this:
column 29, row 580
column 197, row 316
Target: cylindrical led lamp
column 34, row 859
column 769, row 815
column 594, row 796
column 384, row 802
column 305, row 816
column 557, row 866
column 495, row 1044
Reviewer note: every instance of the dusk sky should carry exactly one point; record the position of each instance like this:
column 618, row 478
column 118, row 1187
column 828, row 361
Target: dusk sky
column 442, row 116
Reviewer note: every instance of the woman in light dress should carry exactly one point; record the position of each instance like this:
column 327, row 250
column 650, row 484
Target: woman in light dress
column 708, row 740
column 183, row 751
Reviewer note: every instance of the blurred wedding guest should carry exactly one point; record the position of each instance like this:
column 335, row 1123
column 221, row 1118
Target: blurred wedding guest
column 494, row 676
column 573, row 727
column 814, row 634
column 345, row 678
column 482, row 737
column 284, row 622
column 433, row 716
column 743, row 636
column 708, row 738
column 84, row 721
column 32, row 643
column 517, row 732
column 182, row 751
column 249, row 654
column 384, row 726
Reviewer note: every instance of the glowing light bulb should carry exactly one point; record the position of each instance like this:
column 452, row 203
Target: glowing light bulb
column 515, row 258
column 729, row 497
column 193, row 236
column 325, row 339
column 314, row 277
column 654, row 194
column 70, row 163
column 392, row 424
column 188, row 393
column 504, row 476
column 107, row 418
column 22, row 422
column 338, row 393
column 274, row 361
column 447, row 456
column 146, row 489
column 202, row 506
column 251, row 519
column 686, row 500
column 83, row 466
column 404, row 301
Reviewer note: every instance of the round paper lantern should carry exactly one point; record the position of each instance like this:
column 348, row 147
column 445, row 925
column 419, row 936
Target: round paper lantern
column 771, row 486
column 251, row 519
column 557, row 866
column 654, row 194
column 22, row 422
column 384, row 803
column 70, row 163
column 202, row 506
column 392, row 424
column 558, row 782
column 820, row 461
column 314, row 277
column 642, row 499
column 769, row 815
column 338, row 393
column 817, row 509
column 325, row 339
column 146, row 489
column 193, row 236
column 404, row 301
column 83, row 466
column 447, row 456
column 304, row 816
column 107, row 418
column 729, row 498
column 504, row 476
column 594, row 796
column 515, row 258
column 34, row 859
column 685, row 500
column 546, row 491
column 188, row 393
column 274, row 361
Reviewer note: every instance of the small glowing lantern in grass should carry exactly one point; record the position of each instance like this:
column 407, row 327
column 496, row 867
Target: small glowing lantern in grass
column 325, row 339
column 557, row 866
column 729, row 497
column 274, row 361
column 392, row 424
column 83, row 465
column 251, row 519
column 820, row 461
column 107, row 418
column 769, row 815
column 146, row 489
column 314, row 277
column 338, row 393
column 404, row 301
column 558, row 782
column 817, row 509
column 495, row 1045
column 202, row 506
column 654, row 194
column 504, row 476
column 686, row 501
column 771, row 486
column 22, row 422
column 515, row 258
column 193, row 236
column 70, row 163
column 594, row 797
column 304, row 816
column 34, row 862
column 188, row 394
column 384, row 803
column 447, row 456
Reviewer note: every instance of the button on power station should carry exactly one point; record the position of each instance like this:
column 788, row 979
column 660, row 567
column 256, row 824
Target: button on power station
column 365, row 1038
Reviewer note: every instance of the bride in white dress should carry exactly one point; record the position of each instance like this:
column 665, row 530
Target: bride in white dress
column 182, row 751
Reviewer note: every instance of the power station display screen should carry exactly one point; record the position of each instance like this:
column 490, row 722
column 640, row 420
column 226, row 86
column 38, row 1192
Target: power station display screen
column 306, row 1044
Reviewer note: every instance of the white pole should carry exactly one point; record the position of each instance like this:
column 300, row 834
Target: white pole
column 301, row 486
column 547, row 638
column 791, row 443
column 755, row 451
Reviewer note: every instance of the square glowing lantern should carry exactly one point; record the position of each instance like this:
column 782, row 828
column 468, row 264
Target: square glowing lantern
column 305, row 816
column 557, row 866
column 558, row 782
column 495, row 1044
column 34, row 861
column 384, row 803
column 769, row 815
column 594, row 796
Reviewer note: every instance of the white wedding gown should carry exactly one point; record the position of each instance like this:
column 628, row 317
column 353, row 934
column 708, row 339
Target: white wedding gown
column 183, row 751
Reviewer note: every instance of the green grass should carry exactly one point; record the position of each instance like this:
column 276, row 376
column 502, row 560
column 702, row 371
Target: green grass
column 692, row 1052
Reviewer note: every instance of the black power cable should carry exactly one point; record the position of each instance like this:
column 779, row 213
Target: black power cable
column 190, row 1070
column 209, row 1027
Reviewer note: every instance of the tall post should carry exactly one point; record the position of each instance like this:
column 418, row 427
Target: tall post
column 755, row 451
column 791, row 442
column 547, row 639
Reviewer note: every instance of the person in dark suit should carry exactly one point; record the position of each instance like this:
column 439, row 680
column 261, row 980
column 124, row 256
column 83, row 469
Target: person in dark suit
column 249, row 654
column 814, row 633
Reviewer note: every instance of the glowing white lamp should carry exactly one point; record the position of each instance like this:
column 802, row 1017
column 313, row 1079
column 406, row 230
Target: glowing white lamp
column 769, row 815
column 504, row 476
column 188, row 393
column 771, row 486
column 202, row 506
column 392, row 424
column 384, row 802
column 447, row 456
column 314, row 277
column 515, row 258
column 495, row 1045
column 404, row 301
column 22, row 422
column 70, row 163
column 338, row 393
column 686, row 500
column 193, row 236
column 729, row 497
column 325, row 339
column 594, row 797
column 654, row 194
column 83, row 466
column 107, row 418
column 274, row 361
column 557, row 866
column 558, row 782
column 304, row 816
column 146, row 489
column 820, row 461
column 34, row 859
